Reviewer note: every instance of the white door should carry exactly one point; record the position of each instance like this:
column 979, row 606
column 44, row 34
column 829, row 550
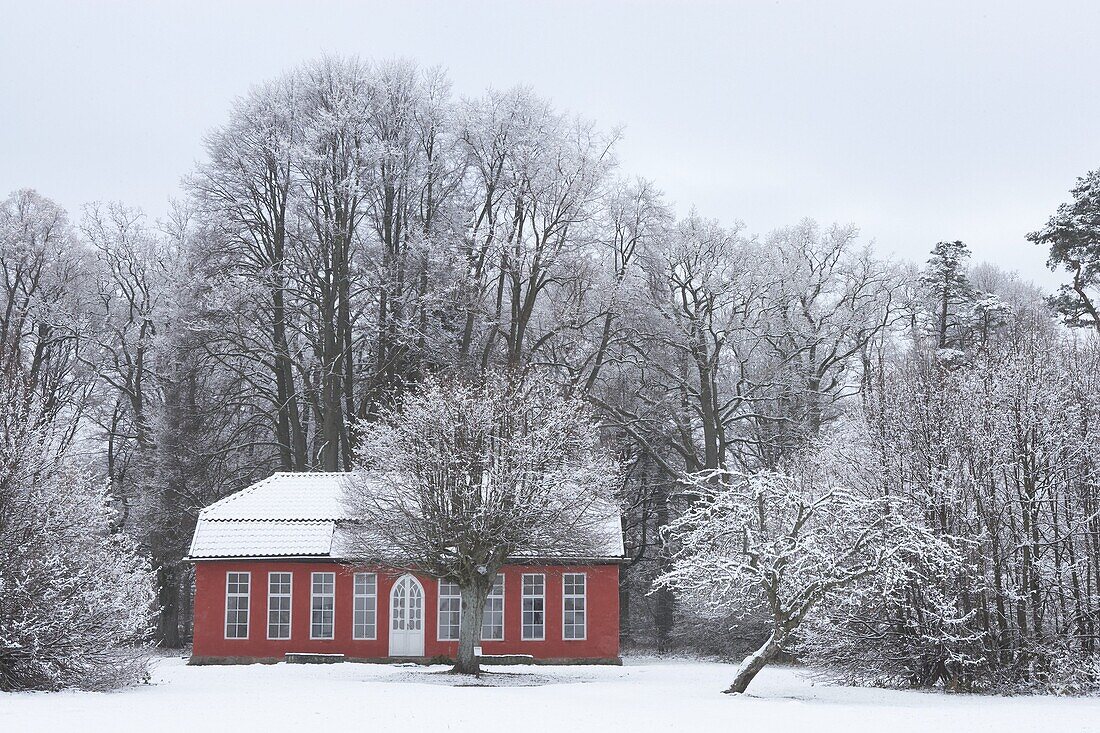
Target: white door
column 407, row 618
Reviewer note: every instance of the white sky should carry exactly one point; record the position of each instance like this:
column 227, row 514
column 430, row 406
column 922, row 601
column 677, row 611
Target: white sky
column 918, row 121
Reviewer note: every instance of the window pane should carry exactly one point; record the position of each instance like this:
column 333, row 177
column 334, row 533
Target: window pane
column 278, row 605
column 364, row 606
column 492, row 626
column 322, row 602
column 532, row 606
column 573, row 606
column 450, row 611
column 236, row 605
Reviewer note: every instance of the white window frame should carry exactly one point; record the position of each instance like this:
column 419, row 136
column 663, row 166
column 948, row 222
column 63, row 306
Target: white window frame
column 584, row 602
column 313, row 596
column 439, row 610
column 356, row 596
column 247, row 595
column 490, row 597
column 289, row 595
column 522, row 607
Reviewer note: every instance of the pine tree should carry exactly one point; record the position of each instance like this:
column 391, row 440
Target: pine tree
column 1073, row 235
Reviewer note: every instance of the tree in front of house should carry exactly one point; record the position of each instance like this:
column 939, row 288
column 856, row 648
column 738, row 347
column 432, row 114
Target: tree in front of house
column 1073, row 235
column 774, row 544
column 465, row 477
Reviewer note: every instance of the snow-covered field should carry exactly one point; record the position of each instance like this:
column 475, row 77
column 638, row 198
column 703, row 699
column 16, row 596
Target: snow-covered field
column 643, row 695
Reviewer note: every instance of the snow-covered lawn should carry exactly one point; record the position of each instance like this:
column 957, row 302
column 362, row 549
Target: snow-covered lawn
column 643, row 695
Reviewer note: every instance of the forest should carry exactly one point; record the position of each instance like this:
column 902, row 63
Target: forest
column 887, row 469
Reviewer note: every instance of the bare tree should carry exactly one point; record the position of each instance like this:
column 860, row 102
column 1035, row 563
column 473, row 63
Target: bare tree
column 538, row 181
column 43, row 298
column 467, row 478
column 246, row 186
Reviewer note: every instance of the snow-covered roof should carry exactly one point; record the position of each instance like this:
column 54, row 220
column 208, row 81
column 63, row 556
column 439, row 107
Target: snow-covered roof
column 288, row 496
column 297, row 515
column 263, row 538
column 285, row 515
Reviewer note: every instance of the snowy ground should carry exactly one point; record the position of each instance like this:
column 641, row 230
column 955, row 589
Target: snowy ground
column 644, row 695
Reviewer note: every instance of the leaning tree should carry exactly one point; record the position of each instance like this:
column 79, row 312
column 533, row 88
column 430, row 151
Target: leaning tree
column 465, row 477
column 776, row 543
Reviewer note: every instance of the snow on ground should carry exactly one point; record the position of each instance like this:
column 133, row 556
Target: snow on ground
column 643, row 695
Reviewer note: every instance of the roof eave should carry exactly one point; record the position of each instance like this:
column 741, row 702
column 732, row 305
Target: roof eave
column 204, row 558
column 610, row 560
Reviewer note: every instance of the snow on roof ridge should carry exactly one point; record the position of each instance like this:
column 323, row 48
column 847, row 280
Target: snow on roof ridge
column 237, row 494
column 310, row 473
column 296, row 520
column 251, row 489
column 304, row 484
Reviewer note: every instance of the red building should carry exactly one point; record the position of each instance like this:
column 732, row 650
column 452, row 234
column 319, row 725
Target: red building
column 271, row 578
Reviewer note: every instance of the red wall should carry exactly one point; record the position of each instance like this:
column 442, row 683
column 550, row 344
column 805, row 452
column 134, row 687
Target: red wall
column 602, row 602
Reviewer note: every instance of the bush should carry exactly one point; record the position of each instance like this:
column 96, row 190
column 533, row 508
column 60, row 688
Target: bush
column 76, row 600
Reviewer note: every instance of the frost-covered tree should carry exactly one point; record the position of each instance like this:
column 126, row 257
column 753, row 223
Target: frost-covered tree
column 991, row 454
column 245, row 189
column 464, row 478
column 945, row 280
column 739, row 353
column 773, row 543
column 76, row 599
column 903, row 626
column 538, row 184
column 828, row 299
column 1073, row 235
column 43, row 297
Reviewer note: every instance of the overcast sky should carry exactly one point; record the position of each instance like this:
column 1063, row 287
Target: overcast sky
column 917, row 121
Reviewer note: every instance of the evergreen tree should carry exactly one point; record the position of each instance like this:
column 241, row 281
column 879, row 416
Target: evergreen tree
column 1073, row 235
column 950, row 291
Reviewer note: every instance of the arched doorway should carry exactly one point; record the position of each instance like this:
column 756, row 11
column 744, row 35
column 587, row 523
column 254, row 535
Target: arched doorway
column 407, row 618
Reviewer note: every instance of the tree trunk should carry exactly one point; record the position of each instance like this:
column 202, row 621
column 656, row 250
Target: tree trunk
column 753, row 664
column 469, row 635
column 187, row 605
column 168, row 631
column 665, row 601
column 288, row 426
column 625, row 637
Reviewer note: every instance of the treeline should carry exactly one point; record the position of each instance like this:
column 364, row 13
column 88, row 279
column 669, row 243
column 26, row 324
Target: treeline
column 354, row 227
column 987, row 429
